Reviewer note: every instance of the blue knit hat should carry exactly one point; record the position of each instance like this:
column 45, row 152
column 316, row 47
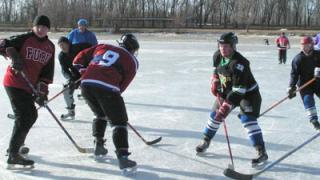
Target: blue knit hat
column 82, row 22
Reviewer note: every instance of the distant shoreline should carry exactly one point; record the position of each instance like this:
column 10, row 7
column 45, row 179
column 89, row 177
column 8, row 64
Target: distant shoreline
column 267, row 32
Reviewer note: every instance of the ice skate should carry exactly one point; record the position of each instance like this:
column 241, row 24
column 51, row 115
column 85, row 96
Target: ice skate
column 261, row 159
column 99, row 150
column 68, row 116
column 203, row 146
column 17, row 162
column 127, row 166
column 315, row 124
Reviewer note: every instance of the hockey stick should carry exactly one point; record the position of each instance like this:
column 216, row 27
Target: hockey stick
column 145, row 141
column 287, row 97
column 11, row 116
column 231, row 166
column 80, row 149
column 237, row 175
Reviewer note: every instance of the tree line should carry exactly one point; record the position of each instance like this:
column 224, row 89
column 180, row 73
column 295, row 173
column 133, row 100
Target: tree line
column 166, row 13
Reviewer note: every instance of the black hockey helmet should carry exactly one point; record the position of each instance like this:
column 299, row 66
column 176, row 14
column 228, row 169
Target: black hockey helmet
column 228, row 38
column 129, row 42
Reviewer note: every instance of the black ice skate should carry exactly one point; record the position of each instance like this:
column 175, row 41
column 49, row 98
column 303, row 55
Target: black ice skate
column 99, row 150
column 17, row 161
column 262, row 158
column 203, row 146
column 70, row 115
column 315, row 124
column 127, row 166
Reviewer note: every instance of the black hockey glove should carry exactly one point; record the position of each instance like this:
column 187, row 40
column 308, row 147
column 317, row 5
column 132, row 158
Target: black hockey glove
column 42, row 96
column 41, row 99
column 17, row 62
column 74, row 84
column 291, row 92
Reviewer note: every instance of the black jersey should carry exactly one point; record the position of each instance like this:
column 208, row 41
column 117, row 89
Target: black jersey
column 66, row 60
column 235, row 76
column 303, row 68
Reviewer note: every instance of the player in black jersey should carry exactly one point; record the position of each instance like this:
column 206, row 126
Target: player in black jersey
column 66, row 56
column 234, row 85
column 305, row 66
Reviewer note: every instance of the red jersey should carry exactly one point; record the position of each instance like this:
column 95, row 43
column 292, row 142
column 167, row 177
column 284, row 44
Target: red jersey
column 38, row 56
column 282, row 42
column 107, row 66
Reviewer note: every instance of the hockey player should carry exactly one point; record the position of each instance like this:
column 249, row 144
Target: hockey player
column 109, row 71
column 317, row 42
column 82, row 34
column 283, row 44
column 33, row 54
column 66, row 56
column 305, row 66
column 234, row 85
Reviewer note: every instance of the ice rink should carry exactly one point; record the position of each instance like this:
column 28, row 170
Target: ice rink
column 170, row 97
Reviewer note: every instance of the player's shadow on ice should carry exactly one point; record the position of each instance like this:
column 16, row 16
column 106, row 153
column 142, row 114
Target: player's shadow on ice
column 299, row 169
column 198, row 135
column 48, row 175
column 74, row 165
column 185, row 173
column 89, row 121
column 188, row 108
column 140, row 174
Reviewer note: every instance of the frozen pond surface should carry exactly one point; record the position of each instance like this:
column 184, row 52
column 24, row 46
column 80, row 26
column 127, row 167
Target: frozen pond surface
column 170, row 97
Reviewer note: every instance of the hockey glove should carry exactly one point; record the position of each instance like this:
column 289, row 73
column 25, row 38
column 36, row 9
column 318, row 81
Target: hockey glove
column 41, row 99
column 223, row 111
column 74, row 84
column 17, row 62
column 42, row 96
column 317, row 72
column 215, row 85
column 291, row 92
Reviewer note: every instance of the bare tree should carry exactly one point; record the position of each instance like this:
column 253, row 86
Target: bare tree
column 310, row 10
column 157, row 13
column 297, row 5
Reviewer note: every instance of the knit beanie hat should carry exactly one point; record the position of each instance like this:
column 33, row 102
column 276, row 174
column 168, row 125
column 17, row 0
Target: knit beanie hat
column 41, row 20
column 83, row 22
column 63, row 39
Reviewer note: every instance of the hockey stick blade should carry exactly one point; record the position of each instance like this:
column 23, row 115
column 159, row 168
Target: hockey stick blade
column 236, row 175
column 154, row 141
column 85, row 150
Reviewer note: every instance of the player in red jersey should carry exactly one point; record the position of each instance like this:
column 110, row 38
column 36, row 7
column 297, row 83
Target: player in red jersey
column 109, row 71
column 33, row 54
column 283, row 44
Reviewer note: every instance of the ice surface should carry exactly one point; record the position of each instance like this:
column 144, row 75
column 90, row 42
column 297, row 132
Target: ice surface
column 170, row 97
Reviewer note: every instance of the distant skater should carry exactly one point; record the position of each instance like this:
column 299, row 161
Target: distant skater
column 283, row 44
